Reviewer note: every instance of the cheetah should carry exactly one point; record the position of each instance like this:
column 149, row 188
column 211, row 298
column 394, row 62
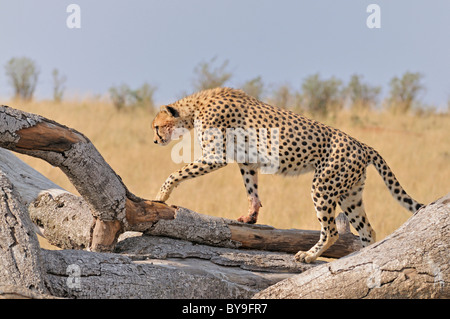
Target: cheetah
column 303, row 145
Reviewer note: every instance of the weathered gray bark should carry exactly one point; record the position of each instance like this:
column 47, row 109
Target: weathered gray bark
column 413, row 262
column 158, row 267
column 20, row 263
column 64, row 220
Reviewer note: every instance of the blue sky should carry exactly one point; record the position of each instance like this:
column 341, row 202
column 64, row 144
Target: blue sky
column 161, row 42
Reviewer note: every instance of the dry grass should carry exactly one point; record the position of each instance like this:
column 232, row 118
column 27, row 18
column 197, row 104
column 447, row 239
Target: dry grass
column 416, row 148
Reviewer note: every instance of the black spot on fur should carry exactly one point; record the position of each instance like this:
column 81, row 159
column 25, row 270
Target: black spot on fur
column 407, row 200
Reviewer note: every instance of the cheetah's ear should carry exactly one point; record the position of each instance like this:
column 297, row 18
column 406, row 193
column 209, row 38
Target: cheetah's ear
column 171, row 111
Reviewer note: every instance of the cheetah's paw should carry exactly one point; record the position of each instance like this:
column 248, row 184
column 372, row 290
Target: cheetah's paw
column 305, row 257
column 249, row 219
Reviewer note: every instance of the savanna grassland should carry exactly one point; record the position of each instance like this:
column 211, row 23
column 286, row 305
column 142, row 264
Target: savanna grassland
column 417, row 148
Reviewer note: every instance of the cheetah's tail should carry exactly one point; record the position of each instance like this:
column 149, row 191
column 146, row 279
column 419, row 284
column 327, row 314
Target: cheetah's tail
column 391, row 181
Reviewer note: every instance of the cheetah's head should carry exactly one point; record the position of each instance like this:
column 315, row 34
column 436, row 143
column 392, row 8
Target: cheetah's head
column 165, row 125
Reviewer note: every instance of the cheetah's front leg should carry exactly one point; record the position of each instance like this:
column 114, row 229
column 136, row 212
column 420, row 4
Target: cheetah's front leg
column 250, row 177
column 198, row 168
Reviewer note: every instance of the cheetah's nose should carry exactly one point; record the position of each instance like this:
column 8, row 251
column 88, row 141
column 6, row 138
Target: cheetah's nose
column 155, row 141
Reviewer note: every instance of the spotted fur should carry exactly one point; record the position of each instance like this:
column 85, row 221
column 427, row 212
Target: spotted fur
column 339, row 161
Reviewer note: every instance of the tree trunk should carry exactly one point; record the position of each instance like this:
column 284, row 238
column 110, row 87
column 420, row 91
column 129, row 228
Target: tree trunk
column 413, row 262
column 20, row 263
column 159, row 267
column 224, row 232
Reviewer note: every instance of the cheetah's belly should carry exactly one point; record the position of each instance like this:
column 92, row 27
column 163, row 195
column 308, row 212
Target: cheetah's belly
column 296, row 170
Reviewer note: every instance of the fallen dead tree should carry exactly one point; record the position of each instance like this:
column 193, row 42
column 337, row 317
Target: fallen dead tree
column 143, row 266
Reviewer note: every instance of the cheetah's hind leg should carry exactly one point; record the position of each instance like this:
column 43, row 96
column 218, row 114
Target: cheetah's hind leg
column 325, row 209
column 353, row 207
